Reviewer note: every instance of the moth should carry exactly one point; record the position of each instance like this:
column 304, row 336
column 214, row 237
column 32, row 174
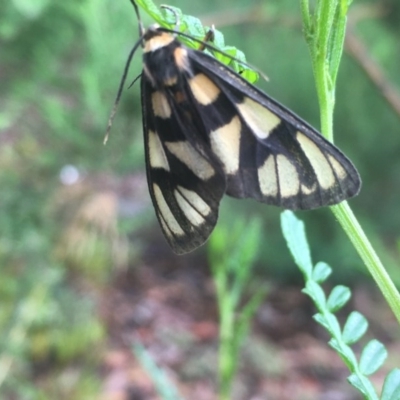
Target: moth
column 208, row 132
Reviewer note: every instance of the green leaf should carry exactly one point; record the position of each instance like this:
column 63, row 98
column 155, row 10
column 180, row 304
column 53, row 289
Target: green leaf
column 321, row 272
column 163, row 385
column 294, row 233
column 248, row 311
column 250, row 241
column 239, row 261
column 363, row 385
column 172, row 15
column 339, row 296
column 334, row 327
column 249, row 75
column 151, row 9
column 337, row 40
column 194, row 25
column 372, row 357
column 354, row 328
column 391, row 386
column 219, row 40
column 236, row 250
column 345, row 352
column 316, row 293
column 320, row 318
column 329, row 322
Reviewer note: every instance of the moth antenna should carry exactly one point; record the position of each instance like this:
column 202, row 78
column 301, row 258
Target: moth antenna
column 121, row 88
column 141, row 28
column 177, row 21
column 213, row 48
column 134, row 81
column 125, row 73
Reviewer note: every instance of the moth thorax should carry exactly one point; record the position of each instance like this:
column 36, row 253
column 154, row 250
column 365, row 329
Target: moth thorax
column 165, row 65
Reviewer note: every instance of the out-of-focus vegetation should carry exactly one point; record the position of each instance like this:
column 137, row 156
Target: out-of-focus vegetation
column 374, row 353
column 70, row 208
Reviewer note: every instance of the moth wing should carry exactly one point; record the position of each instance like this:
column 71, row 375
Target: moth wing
column 185, row 183
column 268, row 152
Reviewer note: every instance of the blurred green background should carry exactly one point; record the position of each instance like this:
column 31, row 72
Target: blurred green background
column 74, row 212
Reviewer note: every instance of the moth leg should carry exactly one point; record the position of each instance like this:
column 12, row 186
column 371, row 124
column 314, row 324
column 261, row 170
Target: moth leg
column 209, row 37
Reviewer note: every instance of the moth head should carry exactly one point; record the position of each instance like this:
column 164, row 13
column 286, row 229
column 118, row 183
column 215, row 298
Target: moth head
column 154, row 39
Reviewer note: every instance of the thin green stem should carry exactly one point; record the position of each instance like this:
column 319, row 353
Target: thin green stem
column 232, row 258
column 324, row 24
column 320, row 58
column 307, row 25
column 351, row 226
column 225, row 357
column 326, row 48
column 325, row 98
column 226, row 305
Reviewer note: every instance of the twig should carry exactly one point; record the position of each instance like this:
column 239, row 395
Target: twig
column 356, row 49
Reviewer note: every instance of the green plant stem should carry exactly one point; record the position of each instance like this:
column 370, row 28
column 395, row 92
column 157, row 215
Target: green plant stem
column 325, row 92
column 321, row 32
column 351, row 226
column 226, row 331
column 232, row 258
column 326, row 98
column 226, row 368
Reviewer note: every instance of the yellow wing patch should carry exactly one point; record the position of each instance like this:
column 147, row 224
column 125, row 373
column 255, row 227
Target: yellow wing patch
column 267, row 178
column 160, row 104
column 308, row 190
column 166, row 213
column 289, row 182
column 181, row 58
column 192, row 205
column 318, row 160
column 339, row 170
column 191, row 158
column 258, row 118
column 204, row 90
column 157, row 156
column 225, row 143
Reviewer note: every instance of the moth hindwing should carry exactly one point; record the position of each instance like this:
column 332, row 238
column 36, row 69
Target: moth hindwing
column 208, row 132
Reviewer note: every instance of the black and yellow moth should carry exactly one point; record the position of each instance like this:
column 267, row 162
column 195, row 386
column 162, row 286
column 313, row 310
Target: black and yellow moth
column 208, row 132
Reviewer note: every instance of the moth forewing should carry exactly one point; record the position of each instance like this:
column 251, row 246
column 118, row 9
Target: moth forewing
column 310, row 171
